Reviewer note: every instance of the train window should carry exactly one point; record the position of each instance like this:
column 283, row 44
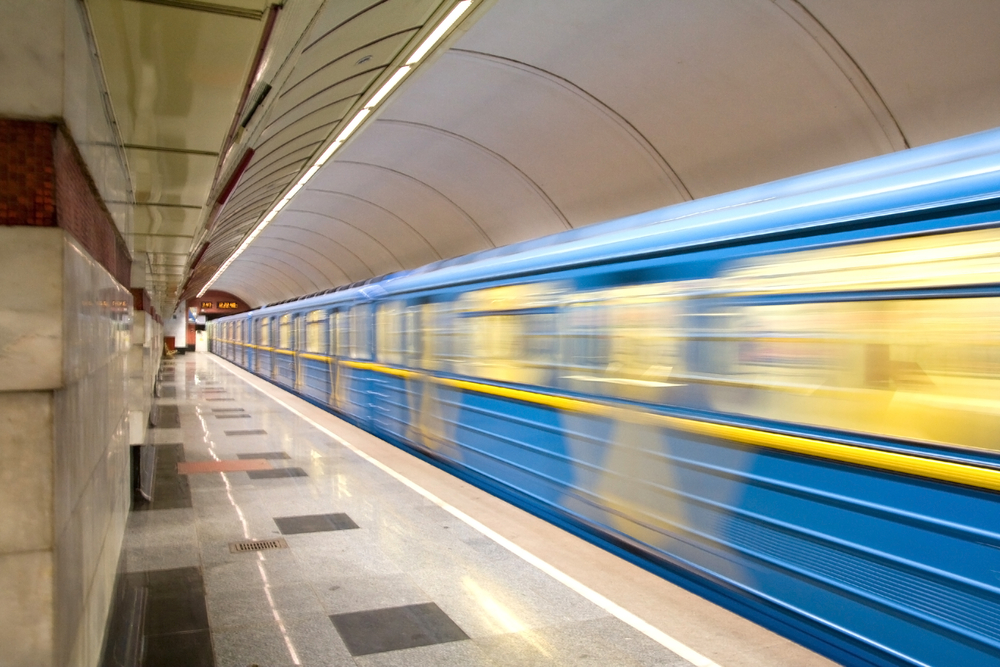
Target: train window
column 622, row 342
column 919, row 369
column 360, row 331
column 923, row 369
column 508, row 333
column 316, row 335
column 264, row 336
column 414, row 333
column 389, row 333
column 285, row 332
column 439, row 330
column 344, row 333
column 332, row 328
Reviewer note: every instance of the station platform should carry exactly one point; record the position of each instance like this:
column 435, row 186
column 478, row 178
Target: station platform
column 357, row 553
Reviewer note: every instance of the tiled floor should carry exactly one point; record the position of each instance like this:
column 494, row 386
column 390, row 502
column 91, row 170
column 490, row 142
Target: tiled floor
column 375, row 573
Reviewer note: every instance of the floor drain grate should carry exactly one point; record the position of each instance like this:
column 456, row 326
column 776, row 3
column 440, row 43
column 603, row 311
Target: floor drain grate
column 257, row 545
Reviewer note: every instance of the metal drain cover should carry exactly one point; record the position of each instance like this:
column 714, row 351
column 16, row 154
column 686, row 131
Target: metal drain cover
column 257, row 545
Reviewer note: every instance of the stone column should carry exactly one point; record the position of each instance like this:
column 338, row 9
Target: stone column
column 65, row 334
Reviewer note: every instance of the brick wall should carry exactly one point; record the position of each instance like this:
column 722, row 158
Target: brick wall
column 27, row 173
column 44, row 182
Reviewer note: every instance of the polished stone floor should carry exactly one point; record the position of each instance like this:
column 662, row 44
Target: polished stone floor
column 373, row 558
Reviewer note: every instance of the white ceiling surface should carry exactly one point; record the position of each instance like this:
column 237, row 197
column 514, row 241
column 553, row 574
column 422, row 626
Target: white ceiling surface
column 550, row 115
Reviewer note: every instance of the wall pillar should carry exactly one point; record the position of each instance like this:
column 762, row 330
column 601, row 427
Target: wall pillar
column 65, row 335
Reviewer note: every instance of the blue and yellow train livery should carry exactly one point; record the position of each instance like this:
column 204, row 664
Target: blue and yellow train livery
column 786, row 398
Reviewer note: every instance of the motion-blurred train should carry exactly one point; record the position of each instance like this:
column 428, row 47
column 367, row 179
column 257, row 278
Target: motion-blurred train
column 785, row 398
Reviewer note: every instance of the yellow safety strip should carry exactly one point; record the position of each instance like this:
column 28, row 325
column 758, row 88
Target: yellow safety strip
column 315, row 357
column 290, row 353
column 909, row 464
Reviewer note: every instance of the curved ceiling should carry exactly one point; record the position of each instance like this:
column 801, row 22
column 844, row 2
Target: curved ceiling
column 547, row 116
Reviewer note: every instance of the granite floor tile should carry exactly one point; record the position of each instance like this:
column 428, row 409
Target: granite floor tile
column 451, row 654
column 256, row 601
column 314, row 523
column 396, row 628
column 276, row 473
column 305, row 641
column 339, row 594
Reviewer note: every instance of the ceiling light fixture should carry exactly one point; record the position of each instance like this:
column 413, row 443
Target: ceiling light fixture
column 439, row 31
column 387, row 87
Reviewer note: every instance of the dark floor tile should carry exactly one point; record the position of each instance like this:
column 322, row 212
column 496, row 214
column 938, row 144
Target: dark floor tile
column 172, row 616
column 177, row 610
column 218, row 410
column 276, row 473
column 263, row 455
column 170, row 490
column 367, row 632
column 187, row 578
column 167, row 416
column 232, row 416
column 191, row 649
column 123, row 640
column 168, row 392
column 314, row 523
column 249, row 431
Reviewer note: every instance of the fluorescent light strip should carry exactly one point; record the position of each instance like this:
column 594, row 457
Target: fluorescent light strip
column 353, row 125
column 387, row 87
column 328, row 153
column 439, row 31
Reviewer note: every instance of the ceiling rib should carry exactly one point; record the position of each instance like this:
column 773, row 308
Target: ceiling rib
column 209, row 8
column 165, row 149
column 437, row 193
column 846, row 64
column 497, row 157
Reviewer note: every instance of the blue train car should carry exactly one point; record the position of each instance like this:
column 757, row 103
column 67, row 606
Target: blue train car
column 785, row 398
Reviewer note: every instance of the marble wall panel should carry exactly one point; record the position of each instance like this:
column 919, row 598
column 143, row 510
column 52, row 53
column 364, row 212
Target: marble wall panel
column 26, row 588
column 26, row 466
column 143, row 364
column 31, row 285
column 92, row 462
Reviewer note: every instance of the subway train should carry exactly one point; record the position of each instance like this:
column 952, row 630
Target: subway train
column 786, row 398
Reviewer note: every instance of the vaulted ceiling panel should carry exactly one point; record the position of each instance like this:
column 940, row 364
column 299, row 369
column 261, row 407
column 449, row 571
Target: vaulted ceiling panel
column 730, row 94
column 340, row 257
column 503, row 204
column 407, row 246
column 590, row 163
column 435, row 217
column 374, row 245
column 934, row 63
